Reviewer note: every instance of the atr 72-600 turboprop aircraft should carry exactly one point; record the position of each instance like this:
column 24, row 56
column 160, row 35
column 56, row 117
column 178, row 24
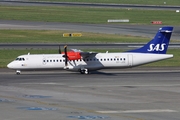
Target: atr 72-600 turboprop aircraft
column 83, row 62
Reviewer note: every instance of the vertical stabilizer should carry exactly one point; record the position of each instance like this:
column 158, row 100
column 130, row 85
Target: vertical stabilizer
column 159, row 44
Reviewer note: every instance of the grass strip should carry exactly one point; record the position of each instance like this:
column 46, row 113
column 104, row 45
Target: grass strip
column 56, row 36
column 87, row 15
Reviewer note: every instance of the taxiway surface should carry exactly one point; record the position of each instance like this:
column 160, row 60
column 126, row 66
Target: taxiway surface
column 84, row 4
column 130, row 94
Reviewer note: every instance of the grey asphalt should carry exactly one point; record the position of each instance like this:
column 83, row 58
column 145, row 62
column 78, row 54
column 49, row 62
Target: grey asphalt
column 84, row 4
column 105, row 47
column 127, row 94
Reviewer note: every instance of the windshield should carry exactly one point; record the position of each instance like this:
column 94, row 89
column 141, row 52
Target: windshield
column 19, row 59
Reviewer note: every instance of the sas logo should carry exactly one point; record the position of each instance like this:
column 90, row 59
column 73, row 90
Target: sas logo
column 158, row 47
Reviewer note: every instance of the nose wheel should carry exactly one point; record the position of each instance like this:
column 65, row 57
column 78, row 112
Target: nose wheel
column 18, row 72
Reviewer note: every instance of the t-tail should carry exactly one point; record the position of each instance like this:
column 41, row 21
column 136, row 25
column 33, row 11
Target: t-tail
column 159, row 44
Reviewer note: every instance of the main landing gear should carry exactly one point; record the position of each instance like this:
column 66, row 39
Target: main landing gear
column 18, row 72
column 84, row 71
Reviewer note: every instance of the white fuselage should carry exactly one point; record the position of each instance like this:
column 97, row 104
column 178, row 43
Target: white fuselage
column 96, row 62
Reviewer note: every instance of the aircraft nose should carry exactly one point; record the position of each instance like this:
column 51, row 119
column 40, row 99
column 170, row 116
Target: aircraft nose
column 10, row 65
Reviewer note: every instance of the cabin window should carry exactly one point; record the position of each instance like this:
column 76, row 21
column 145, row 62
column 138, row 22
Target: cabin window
column 53, row 60
column 47, row 60
column 44, row 60
column 124, row 58
column 57, row 60
column 104, row 59
column 50, row 60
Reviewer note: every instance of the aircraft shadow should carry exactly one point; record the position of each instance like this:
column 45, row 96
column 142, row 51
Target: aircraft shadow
column 103, row 73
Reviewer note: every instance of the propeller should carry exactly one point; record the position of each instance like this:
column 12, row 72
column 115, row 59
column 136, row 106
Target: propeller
column 59, row 50
column 65, row 55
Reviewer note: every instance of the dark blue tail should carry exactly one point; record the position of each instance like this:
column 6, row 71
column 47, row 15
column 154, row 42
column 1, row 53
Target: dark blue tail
column 159, row 44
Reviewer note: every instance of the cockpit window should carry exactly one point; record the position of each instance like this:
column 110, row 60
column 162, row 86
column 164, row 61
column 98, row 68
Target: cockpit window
column 19, row 59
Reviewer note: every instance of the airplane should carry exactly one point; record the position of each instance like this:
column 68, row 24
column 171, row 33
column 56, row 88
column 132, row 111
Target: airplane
column 84, row 62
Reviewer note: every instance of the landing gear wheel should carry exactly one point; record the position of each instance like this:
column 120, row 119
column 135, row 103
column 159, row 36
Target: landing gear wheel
column 84, row 71
column 18, row 72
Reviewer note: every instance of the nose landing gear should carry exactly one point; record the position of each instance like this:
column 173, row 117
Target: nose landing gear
column 18, row 72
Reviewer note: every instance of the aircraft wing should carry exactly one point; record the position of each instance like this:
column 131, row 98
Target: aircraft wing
column 87, row 54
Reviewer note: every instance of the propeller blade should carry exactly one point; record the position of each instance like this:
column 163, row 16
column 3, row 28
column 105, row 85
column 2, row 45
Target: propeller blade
column 66, row 56
column 59, row 50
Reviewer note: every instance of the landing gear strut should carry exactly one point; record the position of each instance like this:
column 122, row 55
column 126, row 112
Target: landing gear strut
column 18, row 72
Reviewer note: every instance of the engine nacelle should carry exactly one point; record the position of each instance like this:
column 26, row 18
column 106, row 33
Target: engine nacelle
column 73, row 55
